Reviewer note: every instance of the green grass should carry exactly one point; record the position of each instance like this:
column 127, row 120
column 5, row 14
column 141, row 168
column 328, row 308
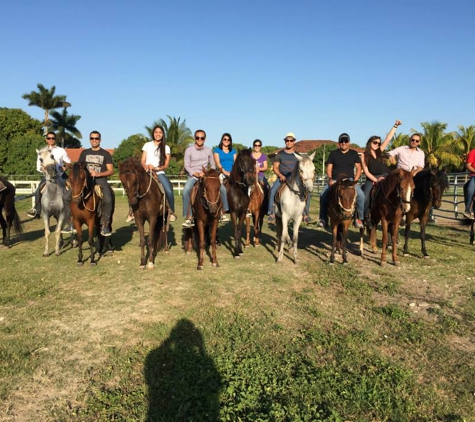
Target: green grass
column 251, row 340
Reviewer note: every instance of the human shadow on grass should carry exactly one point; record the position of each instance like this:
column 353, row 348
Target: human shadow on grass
column 182, row 380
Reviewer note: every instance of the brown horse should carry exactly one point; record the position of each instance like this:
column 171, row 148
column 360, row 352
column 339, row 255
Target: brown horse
column 391, row 200
column 86, row 209
column 341, row 210
column 148, row 205
column 258, row 204
column 237, row 186
column 207, row 205
column 11, row 219
column 430, row 185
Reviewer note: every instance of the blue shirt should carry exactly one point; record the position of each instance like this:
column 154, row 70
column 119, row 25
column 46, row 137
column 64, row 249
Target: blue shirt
column 226, row 159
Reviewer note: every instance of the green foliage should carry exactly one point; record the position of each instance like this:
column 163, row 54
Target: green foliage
column 130, row 147
column 321, row 156
column 21, row 158
column 268, row 149
column 47, row 100
column 16, row 125
column 64, row 125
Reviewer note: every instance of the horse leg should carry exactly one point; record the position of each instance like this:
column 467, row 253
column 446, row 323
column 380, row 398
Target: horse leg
column 90, row 240
column 284, row 236
column 59, row 237
column 295, row 237
column 152, row 242
column 258, row 219
column 472, row 235
column 201, row 231
column 47, row 233
column 248, row 232
column 384, row 245
column 407, row 231
column 334, row 227
column 423, row 223
column 361, row 242
column 394, row 234
column 344, row 235
column 238, row 231
column 214, row 230
column 79, row 239
column 3, row 224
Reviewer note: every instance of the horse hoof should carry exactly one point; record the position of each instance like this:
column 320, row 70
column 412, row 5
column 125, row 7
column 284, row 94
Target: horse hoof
column 46, row 255
column 215, row 265
column 237, row 256
column 188, row 252
column 93, row 264
column 142, row 267
column 426, row 257
column 382, row 264
column 79, row 263
column 397, row 263
column 405, row 254
column 150, row 266
column 345, row 263
column 199, row 267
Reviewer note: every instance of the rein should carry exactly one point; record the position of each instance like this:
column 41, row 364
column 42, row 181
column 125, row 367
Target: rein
column 206, row 204
column 85, row 197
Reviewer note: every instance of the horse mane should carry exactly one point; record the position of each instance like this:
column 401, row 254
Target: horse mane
column 391, row 182
column 243, row 155
column 131, row 164
column 423, row 182
column 295, row 175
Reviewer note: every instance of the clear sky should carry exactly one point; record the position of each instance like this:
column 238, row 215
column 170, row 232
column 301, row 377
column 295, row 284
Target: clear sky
column 256, row 69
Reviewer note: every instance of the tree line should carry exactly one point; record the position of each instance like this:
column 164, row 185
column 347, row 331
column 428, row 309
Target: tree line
column 21, row 135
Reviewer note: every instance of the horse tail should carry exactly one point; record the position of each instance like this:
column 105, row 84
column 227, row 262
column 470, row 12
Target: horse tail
column 161, row 233
column 16, row 223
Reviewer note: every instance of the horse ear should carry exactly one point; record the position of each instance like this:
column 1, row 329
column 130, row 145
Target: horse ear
column 300, row 158
column 312, row 156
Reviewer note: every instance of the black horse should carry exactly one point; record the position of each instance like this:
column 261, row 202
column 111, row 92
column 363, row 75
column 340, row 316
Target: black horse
column 430, row 185
column 237, row 186
column 11, row 219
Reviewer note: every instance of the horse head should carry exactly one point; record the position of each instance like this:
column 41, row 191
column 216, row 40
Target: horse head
column 306, row 170
column 244, row 169
column 345, row 196
column 210, row 185
column 48, row 164
column 129, row 177
column 406, row 188
column 79, row 180
column 439, row 184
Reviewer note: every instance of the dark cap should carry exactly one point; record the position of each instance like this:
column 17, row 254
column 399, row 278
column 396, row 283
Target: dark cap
column 344, row 136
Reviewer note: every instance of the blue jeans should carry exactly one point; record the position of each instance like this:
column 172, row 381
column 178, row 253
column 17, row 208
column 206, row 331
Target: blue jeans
column 470, row 192
column 187, row 194
column 273, row 190
column 107, row 200
column 224, row 197
column 168, row 188
column 360, row 200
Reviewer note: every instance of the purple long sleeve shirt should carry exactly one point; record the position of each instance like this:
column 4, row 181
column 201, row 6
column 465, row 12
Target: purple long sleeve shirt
column 196, row 159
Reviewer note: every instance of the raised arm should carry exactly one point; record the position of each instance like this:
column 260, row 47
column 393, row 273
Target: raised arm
column 390, row 135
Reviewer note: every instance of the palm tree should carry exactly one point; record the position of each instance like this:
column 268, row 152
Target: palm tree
column 438, row 145
column 64, row 125
column 45, row 99
column 177, row 134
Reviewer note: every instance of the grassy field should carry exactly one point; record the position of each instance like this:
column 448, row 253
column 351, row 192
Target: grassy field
column 251, row 340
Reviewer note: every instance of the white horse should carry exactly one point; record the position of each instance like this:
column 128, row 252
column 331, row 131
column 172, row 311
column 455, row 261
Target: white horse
column 291, row 200
column 52, row 201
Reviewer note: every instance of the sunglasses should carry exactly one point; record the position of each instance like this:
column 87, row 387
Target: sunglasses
column 94, row 138
column 257, row 145
column 201, row 138
column 226, row 139
column 344, row 141
column 417, row 141
column 290, row 140
column 50, row 137
column 376, row 143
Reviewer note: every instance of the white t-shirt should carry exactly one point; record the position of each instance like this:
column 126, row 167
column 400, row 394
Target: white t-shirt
column 153, row 154
column 59, row 154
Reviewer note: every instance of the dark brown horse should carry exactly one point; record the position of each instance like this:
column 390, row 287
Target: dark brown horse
column 430, row 185
column 391, row 200
column 237, row 186
column 148, row 204
column 11, row 219
column 207, row 205
column 341, row 210
column 86, row 209
column 258, row 204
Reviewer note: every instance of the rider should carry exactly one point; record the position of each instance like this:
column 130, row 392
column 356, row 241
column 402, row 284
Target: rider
column 343, row 161
column 224, row 157
column 284, row 163
column 100, row 166
column 197, row 156
column 156, row 157
column 470, row 165
column 62, row 161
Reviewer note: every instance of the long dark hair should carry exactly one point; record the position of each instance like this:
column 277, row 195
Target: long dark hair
column 161, row 146
column 367, row 152
column 220, row 146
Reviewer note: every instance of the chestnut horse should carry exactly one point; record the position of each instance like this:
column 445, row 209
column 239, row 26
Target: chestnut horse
column 258, row 204
column 430, row 185
column 148, row 204
column 341, row 210
column 237, row 186
column 206, row 205
column 86, row 209
column 11, row 219
column 391, row 200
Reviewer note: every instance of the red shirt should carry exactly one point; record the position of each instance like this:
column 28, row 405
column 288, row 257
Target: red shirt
column 471, row 160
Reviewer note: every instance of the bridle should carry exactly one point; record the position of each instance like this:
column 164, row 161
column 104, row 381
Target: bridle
column 137, row 184
column 205, row 202
column 81, row 195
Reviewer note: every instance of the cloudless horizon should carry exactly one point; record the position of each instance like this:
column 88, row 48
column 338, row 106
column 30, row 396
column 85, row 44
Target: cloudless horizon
column 255, row 69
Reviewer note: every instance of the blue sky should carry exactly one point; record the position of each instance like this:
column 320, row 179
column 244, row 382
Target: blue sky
column 256, row 69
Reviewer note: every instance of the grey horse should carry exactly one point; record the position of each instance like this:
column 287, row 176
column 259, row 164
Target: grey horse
column 55, row 200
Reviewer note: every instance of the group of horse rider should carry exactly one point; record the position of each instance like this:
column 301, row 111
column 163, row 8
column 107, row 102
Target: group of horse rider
column 156, row 159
